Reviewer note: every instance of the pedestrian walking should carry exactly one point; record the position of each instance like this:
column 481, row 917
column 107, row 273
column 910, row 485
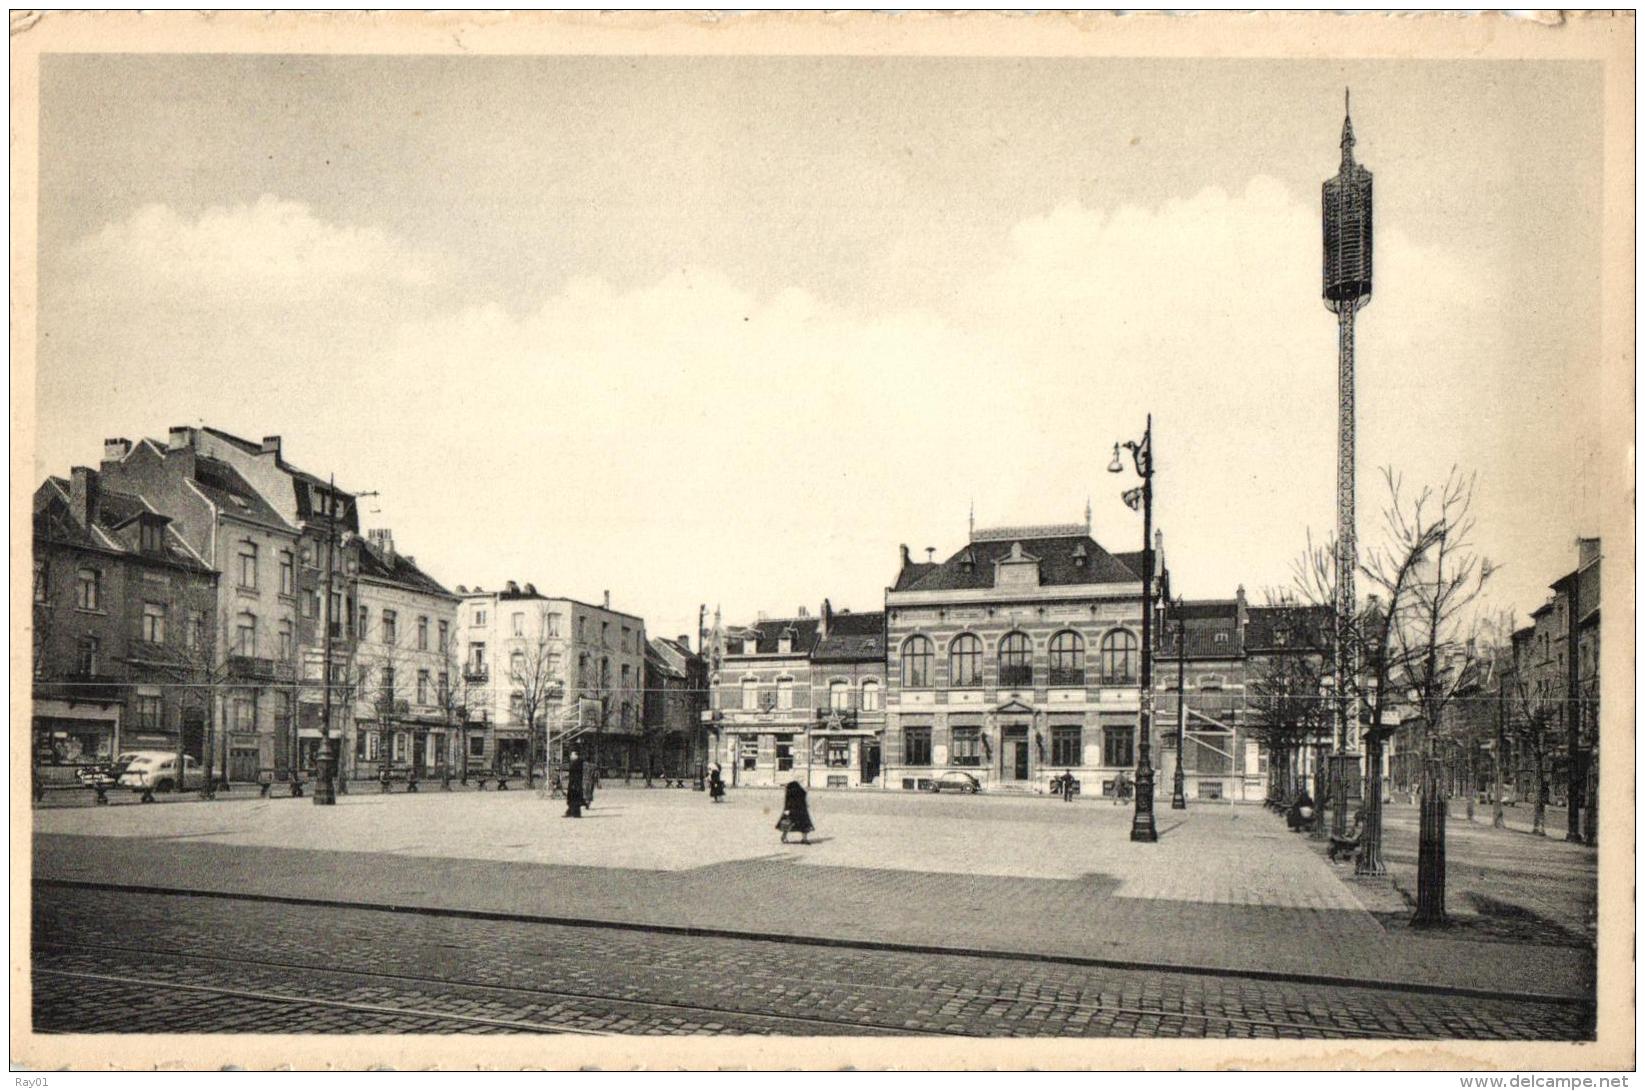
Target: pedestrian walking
column 1068, row 786
column 796, row 816
column 1301, row 812
column 716, row 785
column 574, row 788
column 1122, row 789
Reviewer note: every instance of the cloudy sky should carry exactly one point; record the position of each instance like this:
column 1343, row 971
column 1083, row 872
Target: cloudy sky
column 730, row 330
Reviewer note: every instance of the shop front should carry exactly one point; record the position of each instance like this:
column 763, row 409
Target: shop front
column 70, row 735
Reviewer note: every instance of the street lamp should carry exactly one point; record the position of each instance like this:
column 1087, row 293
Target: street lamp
column 1142, row 459
column 1179, row 798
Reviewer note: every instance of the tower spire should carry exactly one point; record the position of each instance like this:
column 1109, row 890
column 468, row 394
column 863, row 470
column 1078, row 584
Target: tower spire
column 1347, row 129
column 971, row 525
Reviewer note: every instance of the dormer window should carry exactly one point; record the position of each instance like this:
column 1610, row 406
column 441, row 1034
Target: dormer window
column 151, row 535
column 785, row 642
column 1079, row 555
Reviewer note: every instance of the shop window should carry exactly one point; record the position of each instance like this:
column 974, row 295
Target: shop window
column 749, row 748
column 916, row 746
column 476, row 746
column 839, row 753
column 148, row 712
column 965, row 747
column 785, row 753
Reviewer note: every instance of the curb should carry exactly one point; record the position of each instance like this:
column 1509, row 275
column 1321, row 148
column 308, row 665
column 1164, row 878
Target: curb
column 1286, row 977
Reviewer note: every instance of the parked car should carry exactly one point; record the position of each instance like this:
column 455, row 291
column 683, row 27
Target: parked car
column 99, row 775
column 156, row 771
column 955, row 781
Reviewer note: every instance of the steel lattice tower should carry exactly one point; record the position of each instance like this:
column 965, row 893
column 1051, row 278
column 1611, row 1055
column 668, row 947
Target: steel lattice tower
column 1346, row 205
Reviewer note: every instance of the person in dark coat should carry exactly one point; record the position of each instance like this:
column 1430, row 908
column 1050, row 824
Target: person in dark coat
column 716, row 785
column 574, row 788
column 796, row 816
column 1302, row 811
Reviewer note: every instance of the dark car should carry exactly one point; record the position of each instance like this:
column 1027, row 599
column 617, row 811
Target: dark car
column 955, row 781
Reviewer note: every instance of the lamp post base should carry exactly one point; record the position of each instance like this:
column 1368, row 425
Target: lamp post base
column 1142, row 822
column 1179, row 795
column 325, row 776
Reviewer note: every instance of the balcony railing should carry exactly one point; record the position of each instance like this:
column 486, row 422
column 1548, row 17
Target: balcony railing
column 79, row 686
column 251, row 666
column 476, row 672
column 1016, row 677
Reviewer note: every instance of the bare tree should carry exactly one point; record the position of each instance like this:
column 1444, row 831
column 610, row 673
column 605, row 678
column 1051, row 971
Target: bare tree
column 455, row 696
column 533, row 689
column 1284, row 691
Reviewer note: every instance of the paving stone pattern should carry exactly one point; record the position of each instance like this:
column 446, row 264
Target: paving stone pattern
column 378, row 971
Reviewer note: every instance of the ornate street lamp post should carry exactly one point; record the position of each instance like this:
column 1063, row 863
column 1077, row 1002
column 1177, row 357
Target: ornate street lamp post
column 1142, row 458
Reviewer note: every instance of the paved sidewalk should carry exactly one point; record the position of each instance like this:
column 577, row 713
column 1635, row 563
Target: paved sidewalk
column 1226, row 888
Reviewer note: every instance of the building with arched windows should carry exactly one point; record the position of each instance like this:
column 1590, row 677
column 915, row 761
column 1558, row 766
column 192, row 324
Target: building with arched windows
column 1015, row 660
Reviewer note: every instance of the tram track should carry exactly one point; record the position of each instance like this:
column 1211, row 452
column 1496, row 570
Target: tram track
column 937, row 1006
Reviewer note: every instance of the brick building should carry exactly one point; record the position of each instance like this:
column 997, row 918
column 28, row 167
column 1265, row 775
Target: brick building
column 1204, row 641
column 226, row 522
column 761, row 700
column 120, row 609
column 1015, row 659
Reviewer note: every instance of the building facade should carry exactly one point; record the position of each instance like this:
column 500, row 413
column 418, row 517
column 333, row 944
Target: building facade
column 405, row 624
column 761, row 709
column 222, row 519
column 1017, row 659
column 570, row 673
column 1202, row 656
column 676, row 694
column 120, row 605
column 846, row 739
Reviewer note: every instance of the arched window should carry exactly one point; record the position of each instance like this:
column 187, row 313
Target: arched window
column 1016, row 661
column 916, row 663
column 839, row 696
column 1067, row 659
column 1119, row 658
column 870, row 696
column 965, row 661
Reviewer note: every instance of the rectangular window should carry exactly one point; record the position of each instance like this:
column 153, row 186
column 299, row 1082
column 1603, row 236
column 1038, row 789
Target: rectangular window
column 422, row 687
column 785, row 693
column 870, row 696
column 422, row 634
column 87, row 589
column 519, row 623
column 476, row 746
column 628, row 635
column 479, row 617
column 605, row 634
column 360, row 746
column 554, row 664
column 965, row 748
column 476, row 658
column 154, row 623
column 151, row 536
column 248, row 566
column 749, row 747
column 288, row 574
column 1065, row 746
column 785, row 752
column 245, row 635
column 388, row 683
column 751, row 694
column 42, row 591
column 445, row 633
column 194, row 632
column 242, row 715
column 89, row 649
column 286, row 646
column 443, row 690
column 916, row 746
column 399, row 746
column 338, row 618
column 148, row 713
column 839, row 753
column 1117, row 746
column 390, row 627
column 553, row 624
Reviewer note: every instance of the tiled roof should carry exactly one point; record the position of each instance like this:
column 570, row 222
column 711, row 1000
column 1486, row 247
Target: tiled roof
column 853, row 636
column 54, row 522
column 224, row 487
column 401, row 570
column 1287, row 628
column 668, row 657
column 973, row 566
column 765, row 634
column 912, row 573
column 1202, row 623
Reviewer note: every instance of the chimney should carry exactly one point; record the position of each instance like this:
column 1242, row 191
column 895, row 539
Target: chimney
column 801, row 612
column 904, row 555
column 116, row 449
column 461, row 590
column 83, row 495
column 608, row 600
column 930, row 554
column 512, row 587
column 825, row 615
column 271, row 446
column 683, row 641
column 382, row 539
column 1587, row 551
column 530, row 588
column 182, row 437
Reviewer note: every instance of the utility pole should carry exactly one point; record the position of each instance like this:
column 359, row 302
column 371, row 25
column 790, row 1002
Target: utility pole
column 325, row 787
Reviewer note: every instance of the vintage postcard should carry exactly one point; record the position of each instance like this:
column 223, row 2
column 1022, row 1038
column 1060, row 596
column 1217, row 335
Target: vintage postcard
column 711, row 541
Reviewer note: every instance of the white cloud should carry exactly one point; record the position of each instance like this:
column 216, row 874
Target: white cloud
column 271, row 245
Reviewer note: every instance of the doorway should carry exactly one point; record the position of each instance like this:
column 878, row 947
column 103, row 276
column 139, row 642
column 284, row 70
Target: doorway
column 870, row 760
column 1014, row 752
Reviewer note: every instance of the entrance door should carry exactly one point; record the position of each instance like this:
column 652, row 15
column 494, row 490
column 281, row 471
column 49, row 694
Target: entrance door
column 194, row 735
column 870, row 761
column 242, row 764
column 1019, row 759
column 418, row 741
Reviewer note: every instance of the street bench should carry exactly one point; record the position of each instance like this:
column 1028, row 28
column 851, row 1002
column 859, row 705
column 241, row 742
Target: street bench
column 1343, row 846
